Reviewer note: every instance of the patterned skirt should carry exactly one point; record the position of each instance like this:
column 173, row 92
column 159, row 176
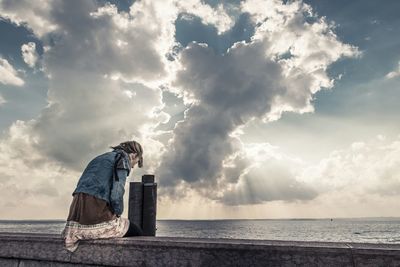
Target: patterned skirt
column 73, row 231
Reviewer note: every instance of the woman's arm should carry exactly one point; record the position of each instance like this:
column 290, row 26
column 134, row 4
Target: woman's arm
column 117, row 192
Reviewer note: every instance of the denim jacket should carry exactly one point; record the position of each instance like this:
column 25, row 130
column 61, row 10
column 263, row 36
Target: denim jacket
column 98, row 179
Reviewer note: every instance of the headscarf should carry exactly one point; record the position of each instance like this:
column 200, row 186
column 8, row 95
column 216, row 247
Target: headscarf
column 132, row 147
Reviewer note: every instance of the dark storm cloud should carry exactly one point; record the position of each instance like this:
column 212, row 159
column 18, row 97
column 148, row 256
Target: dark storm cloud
column 252, row 79
column 231, row 89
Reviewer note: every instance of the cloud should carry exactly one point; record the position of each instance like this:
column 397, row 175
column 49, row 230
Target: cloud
column 2, row 100
column 270, row 176
column 272, row 183
column 8, row 75
column 393, row 74
column 216, row 16
column 367, row 168
column 34, row 14
column 363, row 171
column 108, row 70
column 29, row 54
column 104, row 67
column 279, row 70
column 29, row 181
column 97, row 96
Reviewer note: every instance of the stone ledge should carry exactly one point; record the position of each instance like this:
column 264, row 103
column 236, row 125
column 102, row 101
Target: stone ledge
column 27, row 248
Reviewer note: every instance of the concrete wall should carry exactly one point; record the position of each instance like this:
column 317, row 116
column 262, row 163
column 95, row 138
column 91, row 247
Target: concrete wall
column 47, row 250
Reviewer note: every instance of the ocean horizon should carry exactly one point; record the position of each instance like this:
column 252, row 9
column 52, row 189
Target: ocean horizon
column 385, row 230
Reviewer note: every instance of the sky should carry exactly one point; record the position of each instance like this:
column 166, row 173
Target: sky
column 245, row 109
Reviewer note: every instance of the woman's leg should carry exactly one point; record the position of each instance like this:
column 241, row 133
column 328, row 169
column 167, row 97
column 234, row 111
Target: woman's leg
column 133, row 230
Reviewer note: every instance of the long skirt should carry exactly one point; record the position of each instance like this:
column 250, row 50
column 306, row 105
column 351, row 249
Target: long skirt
column 74, row 231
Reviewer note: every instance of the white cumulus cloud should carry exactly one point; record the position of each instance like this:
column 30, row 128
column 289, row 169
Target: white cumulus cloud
column 365, row 167
column 213, row 16
column 37, row 15
column 394, row 74
column 8, row 75
column 29, row 54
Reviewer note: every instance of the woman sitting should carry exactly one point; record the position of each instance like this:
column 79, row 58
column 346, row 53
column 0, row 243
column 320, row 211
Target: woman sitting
column 97, row 203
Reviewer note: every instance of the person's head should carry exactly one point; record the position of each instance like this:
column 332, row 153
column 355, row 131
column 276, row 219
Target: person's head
column 134, row 150
column 134, row 158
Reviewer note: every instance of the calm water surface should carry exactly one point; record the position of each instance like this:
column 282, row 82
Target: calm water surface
column 338, row 230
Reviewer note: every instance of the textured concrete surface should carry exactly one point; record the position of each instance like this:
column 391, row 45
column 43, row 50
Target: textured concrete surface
column 34, row 263
column 48, row 250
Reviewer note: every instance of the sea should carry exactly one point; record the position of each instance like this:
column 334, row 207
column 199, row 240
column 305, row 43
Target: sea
column 365, row 230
